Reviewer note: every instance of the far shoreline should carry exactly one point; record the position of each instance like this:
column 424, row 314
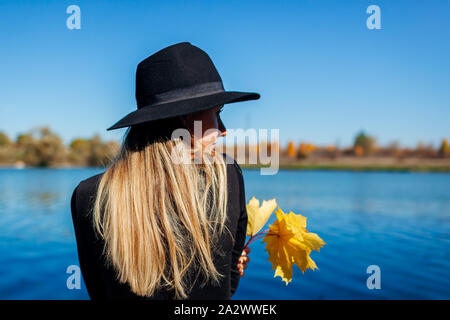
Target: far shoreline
column 292, row 167
column 372, row 168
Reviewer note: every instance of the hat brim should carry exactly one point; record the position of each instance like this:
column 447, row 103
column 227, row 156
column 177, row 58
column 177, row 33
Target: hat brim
column 182, row 107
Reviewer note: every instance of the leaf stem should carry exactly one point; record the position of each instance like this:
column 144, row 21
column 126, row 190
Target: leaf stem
column 258, row 235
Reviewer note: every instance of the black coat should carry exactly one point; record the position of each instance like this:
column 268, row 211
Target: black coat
column 100, row 279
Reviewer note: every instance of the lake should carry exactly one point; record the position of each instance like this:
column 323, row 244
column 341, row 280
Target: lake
column 399, row 222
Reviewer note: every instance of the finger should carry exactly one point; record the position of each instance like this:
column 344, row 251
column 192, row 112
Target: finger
column 241, row 267
column 244, row 259
column 247, row 250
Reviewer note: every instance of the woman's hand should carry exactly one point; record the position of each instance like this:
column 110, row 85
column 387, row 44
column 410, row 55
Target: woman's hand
column 243, row 260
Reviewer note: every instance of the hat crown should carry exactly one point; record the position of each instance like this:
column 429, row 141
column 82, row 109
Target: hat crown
column 178, row 80
column 179, row 66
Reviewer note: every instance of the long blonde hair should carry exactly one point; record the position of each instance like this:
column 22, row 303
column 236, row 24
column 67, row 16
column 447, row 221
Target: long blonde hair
column 160, row 220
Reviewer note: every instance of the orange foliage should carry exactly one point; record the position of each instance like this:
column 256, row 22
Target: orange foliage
column 306, row 149
column 291, row 152
column 444, row 149
column 359, row 151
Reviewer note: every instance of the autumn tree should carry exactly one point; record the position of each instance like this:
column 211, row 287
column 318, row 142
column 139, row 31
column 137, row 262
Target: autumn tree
column 5, row 148
column 101, row 154
column 305, row 149
column 4, row 140
column 444, row 149
column 50, row 149
column 27, row 152
column 79, row 151
column 291, row 151
column 364, row 144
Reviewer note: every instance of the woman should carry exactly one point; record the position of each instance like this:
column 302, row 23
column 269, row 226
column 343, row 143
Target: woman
column 150, row 227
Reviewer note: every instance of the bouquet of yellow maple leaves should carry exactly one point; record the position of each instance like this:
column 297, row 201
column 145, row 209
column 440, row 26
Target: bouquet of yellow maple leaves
column 287, row 240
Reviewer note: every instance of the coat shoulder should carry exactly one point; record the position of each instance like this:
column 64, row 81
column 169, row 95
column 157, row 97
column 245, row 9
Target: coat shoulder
column 84, row 194
column 89, row 184
column 232, row 164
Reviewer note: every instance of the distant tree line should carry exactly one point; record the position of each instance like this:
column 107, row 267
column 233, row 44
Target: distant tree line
column 40, row 147
column 366, row 145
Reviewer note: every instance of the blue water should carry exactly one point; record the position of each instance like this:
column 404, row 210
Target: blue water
column 398, row 221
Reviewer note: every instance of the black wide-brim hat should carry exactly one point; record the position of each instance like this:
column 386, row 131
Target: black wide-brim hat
column 178, row 80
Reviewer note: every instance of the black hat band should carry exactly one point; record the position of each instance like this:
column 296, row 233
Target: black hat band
column 195, row 91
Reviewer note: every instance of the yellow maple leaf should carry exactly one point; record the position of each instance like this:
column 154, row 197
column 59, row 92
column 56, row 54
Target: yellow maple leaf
column 288, row 243
column 258, row 216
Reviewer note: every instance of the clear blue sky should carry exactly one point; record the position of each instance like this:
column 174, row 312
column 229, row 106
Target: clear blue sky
column 322, row 74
